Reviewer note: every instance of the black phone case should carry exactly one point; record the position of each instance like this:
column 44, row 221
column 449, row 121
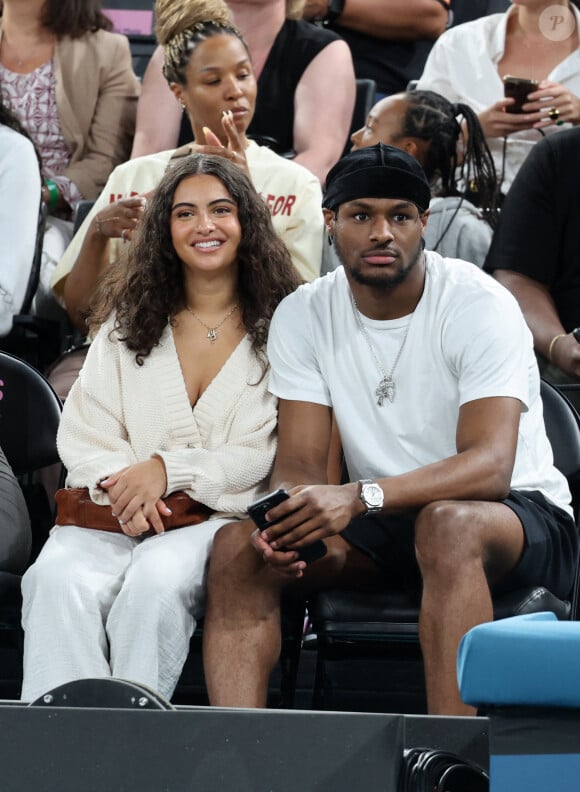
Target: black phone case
column 257, row 512
column 518, row 89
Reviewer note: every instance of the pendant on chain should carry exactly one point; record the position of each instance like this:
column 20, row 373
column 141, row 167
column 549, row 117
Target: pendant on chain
column 385, row 390
column 211, row 334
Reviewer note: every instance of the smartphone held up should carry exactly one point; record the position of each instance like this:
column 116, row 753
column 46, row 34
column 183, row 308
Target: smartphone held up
column 518, row 88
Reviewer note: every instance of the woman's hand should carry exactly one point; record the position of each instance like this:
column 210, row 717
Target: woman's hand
column 234, row 151
column 121, row 218
column 555, row 104
column 497, row 122
column 135, row 495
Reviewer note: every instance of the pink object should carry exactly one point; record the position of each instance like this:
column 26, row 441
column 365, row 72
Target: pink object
column 131, row 22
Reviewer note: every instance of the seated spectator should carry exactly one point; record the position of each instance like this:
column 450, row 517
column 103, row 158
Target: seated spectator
column 389, row 41
column 428, row 366
column 542, row 269
column 172, row 397
column 425, row 125
column 15, row 533
column 199, row 40
column 469, row 62
column 298, row 67
column 71, row 84
column 20, row 202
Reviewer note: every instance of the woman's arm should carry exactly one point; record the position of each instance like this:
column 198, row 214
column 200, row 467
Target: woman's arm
column 92, row 438
column 320, row 137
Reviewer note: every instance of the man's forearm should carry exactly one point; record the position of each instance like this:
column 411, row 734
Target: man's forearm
column 395, row 19
column 292, row 473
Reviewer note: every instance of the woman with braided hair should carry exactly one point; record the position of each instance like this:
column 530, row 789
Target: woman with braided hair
column 208, row 68
column 447, row 139
column 298, row 66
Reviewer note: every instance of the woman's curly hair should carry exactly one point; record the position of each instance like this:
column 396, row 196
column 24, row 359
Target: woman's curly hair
column 181, row 24
column 150, row 290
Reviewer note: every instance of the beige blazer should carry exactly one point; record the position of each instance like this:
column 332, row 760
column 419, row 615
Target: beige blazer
column 96, row 93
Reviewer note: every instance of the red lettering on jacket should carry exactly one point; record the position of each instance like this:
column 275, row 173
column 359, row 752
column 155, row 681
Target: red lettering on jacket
column 281, row 204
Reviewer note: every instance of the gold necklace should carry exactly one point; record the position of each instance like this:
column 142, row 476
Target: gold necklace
column 212, row 331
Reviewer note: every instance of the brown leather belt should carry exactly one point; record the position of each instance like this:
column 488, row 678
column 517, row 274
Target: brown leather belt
column 75, row 507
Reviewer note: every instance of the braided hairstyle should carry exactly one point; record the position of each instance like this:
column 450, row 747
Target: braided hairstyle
column 433, row 118
column 182, row 24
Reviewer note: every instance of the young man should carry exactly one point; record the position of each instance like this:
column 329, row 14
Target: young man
column 428, row 367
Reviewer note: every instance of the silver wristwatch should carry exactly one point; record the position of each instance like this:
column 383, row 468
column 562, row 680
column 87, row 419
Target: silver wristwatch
column 372, row 496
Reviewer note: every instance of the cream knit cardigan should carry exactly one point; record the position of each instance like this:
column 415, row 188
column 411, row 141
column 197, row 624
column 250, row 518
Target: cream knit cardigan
column 118, row 413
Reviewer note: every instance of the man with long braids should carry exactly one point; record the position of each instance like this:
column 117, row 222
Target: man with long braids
column 208, row 68
column 428, row 367
column 448, row 141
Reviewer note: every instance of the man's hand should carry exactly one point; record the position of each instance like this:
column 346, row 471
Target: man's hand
column 311, row 513
column 286, row 563
column 135, row 495
column 566, row 355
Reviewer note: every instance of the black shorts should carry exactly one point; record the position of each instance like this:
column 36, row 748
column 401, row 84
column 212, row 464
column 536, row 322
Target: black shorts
column 549, row 558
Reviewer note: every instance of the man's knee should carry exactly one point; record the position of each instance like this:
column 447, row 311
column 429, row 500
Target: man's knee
column 447, row 536
column 231, row 552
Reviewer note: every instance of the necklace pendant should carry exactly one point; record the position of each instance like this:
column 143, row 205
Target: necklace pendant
column 211, row 334
column 385, row 390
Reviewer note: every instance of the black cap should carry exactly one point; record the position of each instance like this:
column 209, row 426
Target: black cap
column 377, row 171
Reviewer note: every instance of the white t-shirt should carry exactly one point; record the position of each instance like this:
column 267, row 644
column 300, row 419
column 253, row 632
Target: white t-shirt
column 466, row 340
column 462, row 66
column 20, row 203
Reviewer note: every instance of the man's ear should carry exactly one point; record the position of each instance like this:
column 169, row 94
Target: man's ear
column 329, row 220
column 424, row 217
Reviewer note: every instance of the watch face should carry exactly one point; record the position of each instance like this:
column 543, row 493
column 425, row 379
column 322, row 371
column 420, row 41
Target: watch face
column 372, row 495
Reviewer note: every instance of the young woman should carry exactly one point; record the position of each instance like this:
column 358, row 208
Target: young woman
column 297, row 65
column 533, row 39
column 463, row 210
column 172, row 397
column 70, row 82
column 207, row 66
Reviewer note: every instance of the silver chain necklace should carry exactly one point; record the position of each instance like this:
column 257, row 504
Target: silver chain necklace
column 386, row 387
column 212, row 331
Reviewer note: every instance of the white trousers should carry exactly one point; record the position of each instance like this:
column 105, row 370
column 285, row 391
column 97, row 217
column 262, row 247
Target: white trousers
column 98, row 604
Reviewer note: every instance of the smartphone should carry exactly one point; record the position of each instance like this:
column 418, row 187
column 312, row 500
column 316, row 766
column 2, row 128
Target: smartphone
column 518, row 88
column 258, row 510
